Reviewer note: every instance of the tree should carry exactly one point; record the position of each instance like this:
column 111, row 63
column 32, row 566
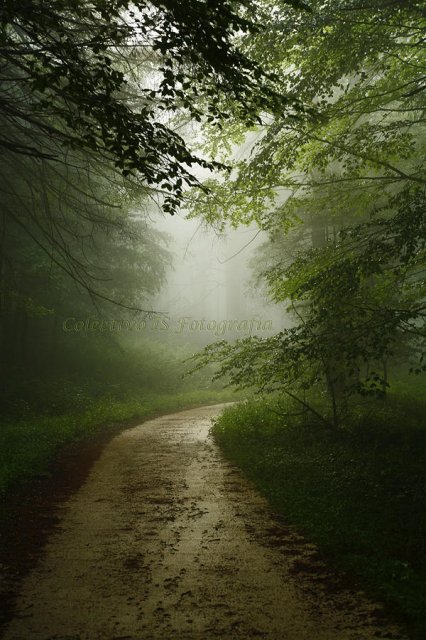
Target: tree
column 87, row 100
column 356, row 169
column 66, row 84
column 68, row 255
column 87, row 94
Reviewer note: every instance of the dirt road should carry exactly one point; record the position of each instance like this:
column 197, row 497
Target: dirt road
column 166, row 540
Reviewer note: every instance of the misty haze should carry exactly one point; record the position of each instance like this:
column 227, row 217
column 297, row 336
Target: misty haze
column 212, row 320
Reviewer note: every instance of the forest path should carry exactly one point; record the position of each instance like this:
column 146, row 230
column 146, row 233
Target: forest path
column 167, row 540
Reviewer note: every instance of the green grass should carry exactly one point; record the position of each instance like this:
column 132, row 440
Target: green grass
column 28, row 446
column 358, row 493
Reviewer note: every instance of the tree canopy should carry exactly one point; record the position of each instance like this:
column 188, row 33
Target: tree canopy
column 340, row 191
column 71, row 78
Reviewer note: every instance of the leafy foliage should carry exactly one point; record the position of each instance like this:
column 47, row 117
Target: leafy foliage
column 69, row 81
column 341, row 196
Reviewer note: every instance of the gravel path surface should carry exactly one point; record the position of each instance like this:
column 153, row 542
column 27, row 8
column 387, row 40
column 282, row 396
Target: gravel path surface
column 167, row 540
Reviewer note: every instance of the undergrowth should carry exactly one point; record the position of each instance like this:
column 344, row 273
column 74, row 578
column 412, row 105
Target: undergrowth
column 358, row 492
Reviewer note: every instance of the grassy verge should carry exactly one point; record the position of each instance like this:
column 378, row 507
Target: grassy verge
column 27, row 447
column 358, row 493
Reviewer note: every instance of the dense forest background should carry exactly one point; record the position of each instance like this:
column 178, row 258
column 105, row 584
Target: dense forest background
column 92, row 98
column 301, row 122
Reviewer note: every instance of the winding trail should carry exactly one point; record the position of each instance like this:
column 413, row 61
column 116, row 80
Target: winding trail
column 167, row 540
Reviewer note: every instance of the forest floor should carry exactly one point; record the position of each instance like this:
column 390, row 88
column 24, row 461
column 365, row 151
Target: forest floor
column 167, row 540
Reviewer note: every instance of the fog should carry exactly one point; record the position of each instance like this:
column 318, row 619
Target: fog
column 210, row 291
column 212, row 263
